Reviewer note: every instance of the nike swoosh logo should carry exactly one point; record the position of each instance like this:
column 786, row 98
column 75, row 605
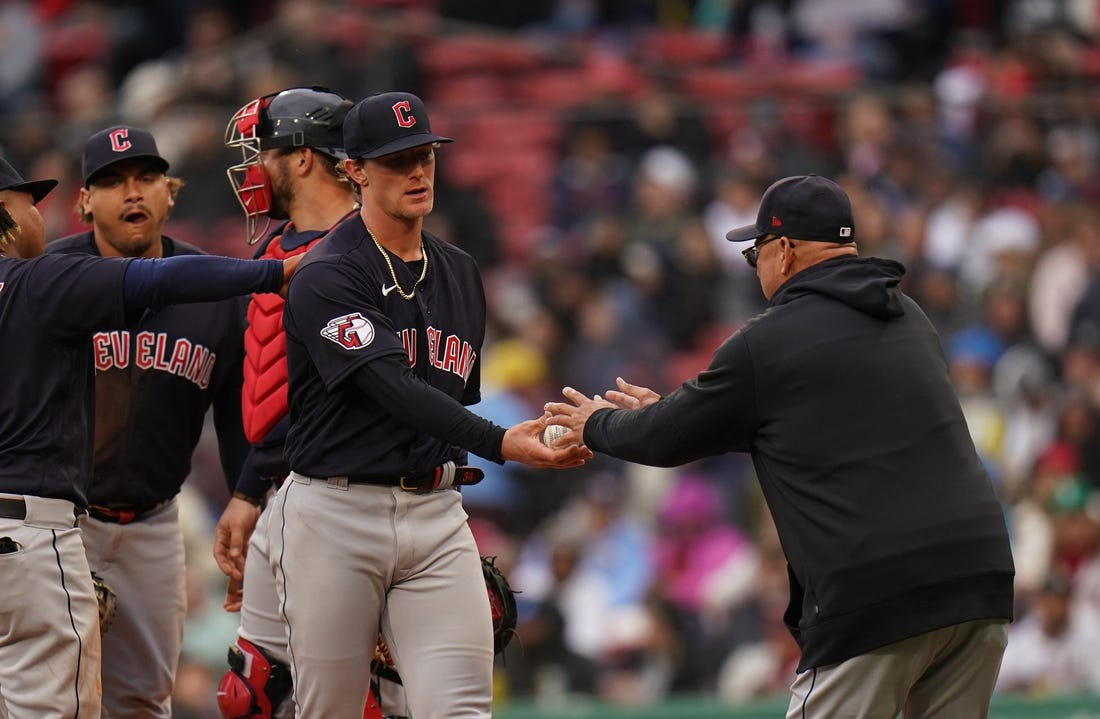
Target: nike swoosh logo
column 387, row 290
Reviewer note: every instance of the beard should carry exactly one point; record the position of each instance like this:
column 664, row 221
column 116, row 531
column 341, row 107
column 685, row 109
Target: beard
column 282, row 192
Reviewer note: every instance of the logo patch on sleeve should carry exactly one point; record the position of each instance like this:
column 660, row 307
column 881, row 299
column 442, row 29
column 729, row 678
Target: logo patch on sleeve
column 352, row 332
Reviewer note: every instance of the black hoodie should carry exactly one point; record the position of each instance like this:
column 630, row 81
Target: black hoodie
column 840, row 392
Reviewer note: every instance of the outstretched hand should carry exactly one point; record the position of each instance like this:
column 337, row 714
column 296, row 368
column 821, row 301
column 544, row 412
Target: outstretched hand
column 523, row 443
column 575, row 415
column 631, row 396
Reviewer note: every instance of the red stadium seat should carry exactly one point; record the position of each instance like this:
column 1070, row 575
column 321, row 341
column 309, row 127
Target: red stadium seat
column 553, row 89
column 682, row 48
column 515, row 128
column 444, row 56
column 819, row 77
column 722, row 85
column 472, row 91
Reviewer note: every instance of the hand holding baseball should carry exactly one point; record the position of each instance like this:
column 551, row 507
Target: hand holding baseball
column 523, row 443
column 573, row 416
column 553, row 433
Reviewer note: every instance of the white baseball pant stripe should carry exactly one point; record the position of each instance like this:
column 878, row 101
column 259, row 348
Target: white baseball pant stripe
column 352, row 559
column 143, row 562
column 49, row 617
column 943, row 674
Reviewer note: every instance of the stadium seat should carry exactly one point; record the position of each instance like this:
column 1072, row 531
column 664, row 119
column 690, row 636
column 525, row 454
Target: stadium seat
column 444, row 56
column 682, row 48
column 556, row 89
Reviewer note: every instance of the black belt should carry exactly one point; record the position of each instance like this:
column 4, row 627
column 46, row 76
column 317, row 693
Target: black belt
column 13, row 508
column 423, row 482
column 121, row 515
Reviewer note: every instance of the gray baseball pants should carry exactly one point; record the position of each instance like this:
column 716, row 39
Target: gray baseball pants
column 143, row 562
column 262, row 625
column 944, row 674
column 49, row 617
column 351, row 560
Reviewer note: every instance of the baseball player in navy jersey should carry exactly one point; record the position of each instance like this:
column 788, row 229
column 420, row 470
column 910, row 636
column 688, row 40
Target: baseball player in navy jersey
column 384, row 334
column 50, row 308
column 155, row 381
column 291, row 143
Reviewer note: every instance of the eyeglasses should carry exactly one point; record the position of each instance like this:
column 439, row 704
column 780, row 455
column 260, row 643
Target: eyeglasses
column 752, row 254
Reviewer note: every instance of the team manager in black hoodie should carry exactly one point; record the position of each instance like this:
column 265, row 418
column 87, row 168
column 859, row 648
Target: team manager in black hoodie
column 899, row 561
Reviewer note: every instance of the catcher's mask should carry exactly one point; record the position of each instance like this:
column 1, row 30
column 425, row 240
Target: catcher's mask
column 295, row 117
column 255, row 684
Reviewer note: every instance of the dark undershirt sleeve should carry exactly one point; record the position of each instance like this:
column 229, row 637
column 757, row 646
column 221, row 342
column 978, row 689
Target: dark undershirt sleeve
column 390, row 381
column 250, row 482
column 156, row 283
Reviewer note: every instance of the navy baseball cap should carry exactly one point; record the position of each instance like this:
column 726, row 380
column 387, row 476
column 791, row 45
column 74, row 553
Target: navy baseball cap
column 12, row 180
column 803, row 207
column 386, row 123
column 116, row 144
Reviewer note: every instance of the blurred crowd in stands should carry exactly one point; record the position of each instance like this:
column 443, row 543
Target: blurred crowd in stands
column 603, row 149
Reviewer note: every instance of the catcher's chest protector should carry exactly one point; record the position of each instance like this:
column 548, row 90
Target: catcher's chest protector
column 264, row 397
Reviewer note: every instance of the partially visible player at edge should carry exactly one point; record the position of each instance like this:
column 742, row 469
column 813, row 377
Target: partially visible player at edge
column 155, row 381
column 291, row 143
column 384, row 334
column 50, row 307
column 899, row 560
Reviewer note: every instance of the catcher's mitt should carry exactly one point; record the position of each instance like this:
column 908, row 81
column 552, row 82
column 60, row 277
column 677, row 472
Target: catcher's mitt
column 502, row 602
column 108, row 603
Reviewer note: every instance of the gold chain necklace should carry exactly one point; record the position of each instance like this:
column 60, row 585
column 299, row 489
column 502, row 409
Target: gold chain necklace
column 393, row 274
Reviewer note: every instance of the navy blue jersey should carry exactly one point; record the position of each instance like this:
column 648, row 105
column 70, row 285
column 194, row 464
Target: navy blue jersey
column 155, row 380
column 342, row 312
column 49, row 308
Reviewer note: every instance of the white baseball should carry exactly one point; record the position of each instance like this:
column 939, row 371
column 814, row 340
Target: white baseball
column 553, row 432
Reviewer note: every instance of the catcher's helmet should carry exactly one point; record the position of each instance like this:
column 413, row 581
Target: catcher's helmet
column 295, row 117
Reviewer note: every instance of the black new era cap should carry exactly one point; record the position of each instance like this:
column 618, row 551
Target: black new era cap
column 12, row 180
column 118, row 143
column 803, row 207
column 386, row 123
